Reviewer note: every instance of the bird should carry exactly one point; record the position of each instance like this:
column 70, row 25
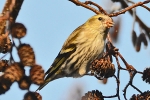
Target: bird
column 85, row 44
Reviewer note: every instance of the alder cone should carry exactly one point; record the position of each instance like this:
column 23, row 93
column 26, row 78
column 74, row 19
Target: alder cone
column 32, row 96
column 26, row 55
column 18, row 30
column 93, row 95
column 24, row 83
column 103, row 68
column 4, row 84
column 14, row 72
column 37, row 74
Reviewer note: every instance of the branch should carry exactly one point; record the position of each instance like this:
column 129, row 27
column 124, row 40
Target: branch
column 124, row 5
column 85, row 5
column 10, row 12
column 130, row 83
column 141, row 23
column 99, row 7
column 117, row 93
column 130, row 7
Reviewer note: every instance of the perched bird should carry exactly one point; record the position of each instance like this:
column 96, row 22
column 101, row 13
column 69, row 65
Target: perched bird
column 85, row 44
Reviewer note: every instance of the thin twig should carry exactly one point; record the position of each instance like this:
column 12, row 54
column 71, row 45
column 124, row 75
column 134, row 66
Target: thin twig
column 145, row 7
column 129, row 8
column 141, row 23
column 78, row 3
column 117, row 93
column 3, row 56
column 139, row 72
column 129, row 83
column 129, row 67
column 99, row 7
column 136, row 88
column 118, row 84
column 126, row 8
column 118, row 72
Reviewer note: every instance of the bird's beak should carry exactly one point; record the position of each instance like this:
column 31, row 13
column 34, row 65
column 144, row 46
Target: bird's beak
column 109, row 23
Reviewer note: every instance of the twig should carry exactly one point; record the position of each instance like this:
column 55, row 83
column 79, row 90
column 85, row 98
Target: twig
column 10, row 12
column 125, row 89
column 99, row 7
column 15, row 10
column 117, row 93
column 129, row 8
column 128, row 70
column 129, row 67
column 78, row 3
column 126, row 8
column 146, row 7
column 141, row 23
column 139, row 72
column 5, row 16
column 118, row 62
column 118, row 84
column 129, row 83
column 112, row 49
column 136, row 88
column 3, row 56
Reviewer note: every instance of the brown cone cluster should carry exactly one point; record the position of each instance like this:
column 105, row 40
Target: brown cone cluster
column 32, row 96
column 146, row 75
column 94, row 95
column 103, row 68
column 143, row 96
column 18, row 30
column 39, row 97
column 24, row 83
column 37, row 74
column 14, row 72
column 4, row 84
column 26, row 55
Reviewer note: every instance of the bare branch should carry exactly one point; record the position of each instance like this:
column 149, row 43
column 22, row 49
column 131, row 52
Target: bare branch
column 78, row 3
column 130, row 7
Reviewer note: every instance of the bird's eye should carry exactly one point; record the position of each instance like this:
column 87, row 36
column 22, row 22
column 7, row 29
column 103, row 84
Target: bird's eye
column 100, row 18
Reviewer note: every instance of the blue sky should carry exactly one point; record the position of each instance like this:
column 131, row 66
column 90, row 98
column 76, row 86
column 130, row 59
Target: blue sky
column 48, row 25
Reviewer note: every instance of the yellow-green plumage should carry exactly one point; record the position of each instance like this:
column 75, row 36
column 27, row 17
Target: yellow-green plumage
column 85, row 44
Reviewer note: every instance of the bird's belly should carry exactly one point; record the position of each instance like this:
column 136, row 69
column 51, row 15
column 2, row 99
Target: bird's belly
column 79, row 68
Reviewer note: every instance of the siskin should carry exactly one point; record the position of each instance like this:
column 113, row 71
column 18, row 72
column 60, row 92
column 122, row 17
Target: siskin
column 85, row 44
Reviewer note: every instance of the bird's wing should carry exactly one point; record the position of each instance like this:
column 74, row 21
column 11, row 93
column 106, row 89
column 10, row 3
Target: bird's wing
column 68, row 48
column 60, row 59
column 54, row 69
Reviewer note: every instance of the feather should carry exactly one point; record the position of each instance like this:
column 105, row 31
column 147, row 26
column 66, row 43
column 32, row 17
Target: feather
column 60, row 59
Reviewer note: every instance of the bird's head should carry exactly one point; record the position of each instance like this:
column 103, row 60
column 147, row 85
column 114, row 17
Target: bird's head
column 100, row 22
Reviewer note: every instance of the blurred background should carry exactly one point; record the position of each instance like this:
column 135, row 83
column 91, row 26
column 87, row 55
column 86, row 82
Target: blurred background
column 48, row 25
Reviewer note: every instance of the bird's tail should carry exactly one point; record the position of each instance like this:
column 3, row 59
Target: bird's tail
column 53, row 72
column 44, row 84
